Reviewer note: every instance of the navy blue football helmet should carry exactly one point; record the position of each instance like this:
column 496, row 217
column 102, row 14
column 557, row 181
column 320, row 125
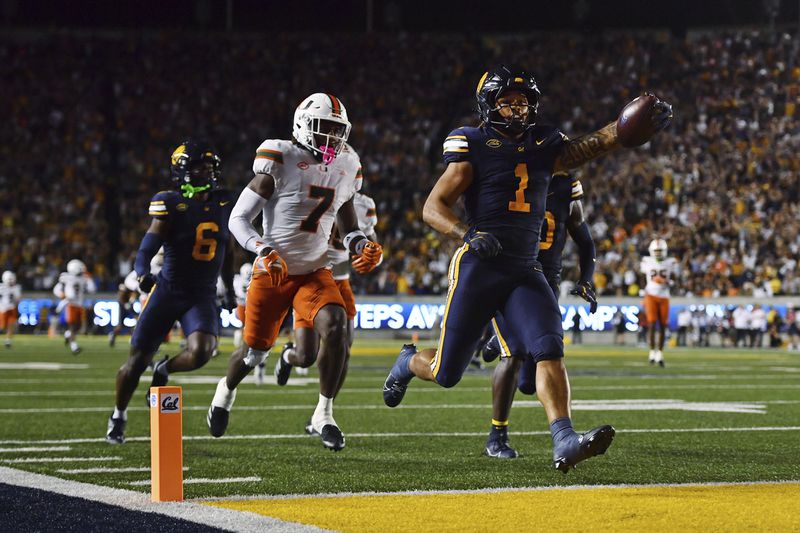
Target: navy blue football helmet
column 495, row 82
column 195, row 167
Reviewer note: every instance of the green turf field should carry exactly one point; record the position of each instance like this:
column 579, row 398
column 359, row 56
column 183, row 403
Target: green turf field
column 711, row 415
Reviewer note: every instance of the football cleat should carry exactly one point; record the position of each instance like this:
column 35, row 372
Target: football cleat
column 498, row 446
column 8, row 343
column 160, row 377
column 217, row 420
column 310, row 429
column 282, row 368
column 332, row 437
column 116, row 431
column 491, row 350
column 394, row 388
column 594, row 442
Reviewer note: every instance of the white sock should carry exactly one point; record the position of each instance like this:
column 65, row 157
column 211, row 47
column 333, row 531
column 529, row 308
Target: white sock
column 224, row 397
column 120, row 414
column 323, row 414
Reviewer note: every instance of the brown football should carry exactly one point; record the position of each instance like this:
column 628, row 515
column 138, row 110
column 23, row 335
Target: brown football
column 634, row 125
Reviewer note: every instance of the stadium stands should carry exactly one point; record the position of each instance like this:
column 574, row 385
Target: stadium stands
column 94, row 119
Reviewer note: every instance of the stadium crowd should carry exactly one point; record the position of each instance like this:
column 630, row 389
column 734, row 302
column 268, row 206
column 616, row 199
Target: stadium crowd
column 93, row 120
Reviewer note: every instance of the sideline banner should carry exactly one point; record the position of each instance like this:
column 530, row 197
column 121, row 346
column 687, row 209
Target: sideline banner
column 378, row 314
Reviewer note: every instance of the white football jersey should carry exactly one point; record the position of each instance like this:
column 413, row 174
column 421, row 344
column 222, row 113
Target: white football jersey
column 240, row 288
column 10, row 295
column 299, row 216
column 652, row 268
column 367, row 220
column 73, row 289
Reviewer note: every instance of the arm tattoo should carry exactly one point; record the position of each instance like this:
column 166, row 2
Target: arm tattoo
column 587, row 147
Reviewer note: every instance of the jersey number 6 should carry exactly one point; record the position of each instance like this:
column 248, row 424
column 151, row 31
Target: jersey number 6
column 205, row 247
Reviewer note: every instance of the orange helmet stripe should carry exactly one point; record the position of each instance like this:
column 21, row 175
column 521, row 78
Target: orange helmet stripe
column 337, row 108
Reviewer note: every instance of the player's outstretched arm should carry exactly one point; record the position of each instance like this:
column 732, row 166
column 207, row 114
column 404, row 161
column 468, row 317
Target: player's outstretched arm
column 438, row 210
column 650, row 120
column 250, row 203
column 582, row 149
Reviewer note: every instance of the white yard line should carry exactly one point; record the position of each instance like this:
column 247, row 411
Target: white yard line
column 37, row 449
column 202, row 480
column 43, row 366
column 636, row 404
column 289, row 436
column 107, row 470
column 226, row 519
column 60, row 459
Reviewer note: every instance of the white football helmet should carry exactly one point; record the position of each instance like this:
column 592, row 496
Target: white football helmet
column 658, row 249
column 310, row 128
column 245, row 270
column 9, row 278
column 76, row 267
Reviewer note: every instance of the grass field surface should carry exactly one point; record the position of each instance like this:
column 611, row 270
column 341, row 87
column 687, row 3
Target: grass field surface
column 712, row 416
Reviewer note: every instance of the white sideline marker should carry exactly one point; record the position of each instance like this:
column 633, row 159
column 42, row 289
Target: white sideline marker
column 43, row 366
column 37, row 449
column 201, row 480
column 60, row 459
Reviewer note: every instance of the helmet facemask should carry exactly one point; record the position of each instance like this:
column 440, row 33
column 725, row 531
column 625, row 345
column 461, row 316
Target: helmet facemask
column 517, row 118
column 325, row 136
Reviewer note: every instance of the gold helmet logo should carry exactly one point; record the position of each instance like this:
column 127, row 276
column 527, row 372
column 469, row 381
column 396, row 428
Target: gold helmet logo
column 176, row 155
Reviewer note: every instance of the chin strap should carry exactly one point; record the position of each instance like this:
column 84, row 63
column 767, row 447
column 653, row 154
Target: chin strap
column 189, row 190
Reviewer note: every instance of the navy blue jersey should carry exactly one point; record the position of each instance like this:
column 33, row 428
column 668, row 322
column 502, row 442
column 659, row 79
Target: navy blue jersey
column 564, row 189
column 510, row 180
column 194, row 248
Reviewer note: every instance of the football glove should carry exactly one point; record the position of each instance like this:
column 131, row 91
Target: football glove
column 271, row 264
column 146, row 282
column 485, row 244
column 662, row 114
column 585, row 290
column 370, row 258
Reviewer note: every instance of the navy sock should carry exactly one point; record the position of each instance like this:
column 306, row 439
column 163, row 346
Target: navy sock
column 561, row 428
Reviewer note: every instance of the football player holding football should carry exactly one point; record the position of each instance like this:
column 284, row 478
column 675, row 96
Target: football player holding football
column 503, row 169
column 191, row 223
column 563, row 215
column 300, row 186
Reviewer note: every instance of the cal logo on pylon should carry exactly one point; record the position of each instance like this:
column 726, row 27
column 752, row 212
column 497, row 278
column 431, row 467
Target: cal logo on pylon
column 166, row 444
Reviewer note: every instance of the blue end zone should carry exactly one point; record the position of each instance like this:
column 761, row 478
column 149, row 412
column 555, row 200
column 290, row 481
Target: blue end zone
column 25, row 509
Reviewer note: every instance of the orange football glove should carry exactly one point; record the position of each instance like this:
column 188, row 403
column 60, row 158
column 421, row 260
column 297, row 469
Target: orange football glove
column 271, row 265
column 370, row 258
